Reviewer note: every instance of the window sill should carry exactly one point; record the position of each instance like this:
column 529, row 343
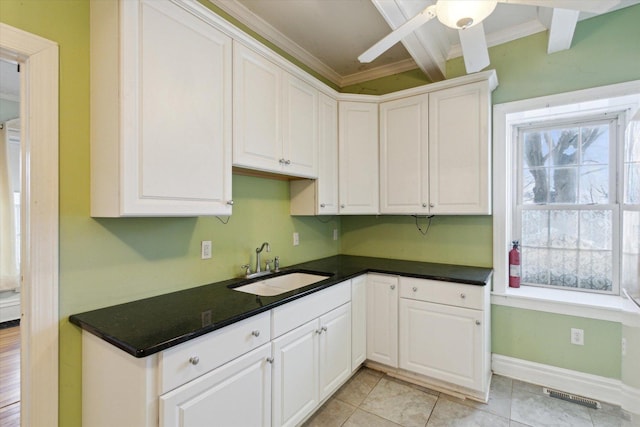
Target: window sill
column 571, row 303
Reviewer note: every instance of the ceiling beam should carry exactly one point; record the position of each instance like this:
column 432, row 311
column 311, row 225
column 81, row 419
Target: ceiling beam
column 426, row 51
column 563, row 25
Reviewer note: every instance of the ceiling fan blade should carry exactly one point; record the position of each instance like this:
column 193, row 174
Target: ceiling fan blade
column 600, row 6
column 398, row 34
column 474, row 48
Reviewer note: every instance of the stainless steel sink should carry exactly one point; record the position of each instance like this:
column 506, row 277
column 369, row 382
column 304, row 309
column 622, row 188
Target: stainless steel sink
column 281, row 284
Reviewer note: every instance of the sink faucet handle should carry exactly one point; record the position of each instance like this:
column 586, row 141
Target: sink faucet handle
column 267, row 264
column 276, row 264
column 246, row 268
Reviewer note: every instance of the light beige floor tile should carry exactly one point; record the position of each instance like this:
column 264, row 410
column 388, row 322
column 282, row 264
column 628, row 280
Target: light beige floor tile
column 523, row 386
column 607, row 416
column 332, row 414
column 358, row 387
column 361, row 418
column 499, row 398
column 449, row 413
column 399, row 403
column 538, row 410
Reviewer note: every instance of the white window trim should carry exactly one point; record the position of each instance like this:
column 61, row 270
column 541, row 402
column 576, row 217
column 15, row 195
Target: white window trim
column 582, row 304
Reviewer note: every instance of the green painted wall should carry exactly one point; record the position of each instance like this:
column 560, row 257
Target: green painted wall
column 604, row 52
column 544, row 338
column 108, row 261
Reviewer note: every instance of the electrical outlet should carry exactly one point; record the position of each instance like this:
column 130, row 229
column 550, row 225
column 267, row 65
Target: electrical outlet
column 205, row 249
column 577, row 336
column 335, row 234
column 296, row 239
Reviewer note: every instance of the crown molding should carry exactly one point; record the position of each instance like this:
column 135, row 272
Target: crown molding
column 382, row 71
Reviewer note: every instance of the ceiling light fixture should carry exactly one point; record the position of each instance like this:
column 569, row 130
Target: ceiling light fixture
column 461, row 14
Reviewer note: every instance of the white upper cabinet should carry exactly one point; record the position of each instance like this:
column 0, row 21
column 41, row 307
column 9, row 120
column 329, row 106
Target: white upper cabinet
column 358, row 157
column 459, row 150
column 435, row 154
column 160, row 111
column 275, row 117
column 404, row 155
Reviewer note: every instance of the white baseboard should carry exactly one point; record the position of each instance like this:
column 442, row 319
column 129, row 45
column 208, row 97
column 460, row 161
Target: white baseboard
column 587, row 385
column 10, row 308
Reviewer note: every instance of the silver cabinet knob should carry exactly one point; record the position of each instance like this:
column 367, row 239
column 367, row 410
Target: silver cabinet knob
column 194, row 360
column 431, row 205
column 393, row 287
column 323, row 329
column 462, row 295
column 415, row 289
column 255, row 333
column 478, row 322
column 322, row 205
column 342, row 206
column 287, row 162
column 424, row 205
column 281, row 161
column 270, row 359
column 230, row 202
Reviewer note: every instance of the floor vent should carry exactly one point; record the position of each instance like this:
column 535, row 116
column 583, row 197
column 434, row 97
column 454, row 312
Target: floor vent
column 589, row 403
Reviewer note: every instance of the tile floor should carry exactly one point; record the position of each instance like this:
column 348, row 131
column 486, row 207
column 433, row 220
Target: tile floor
column 373, row 399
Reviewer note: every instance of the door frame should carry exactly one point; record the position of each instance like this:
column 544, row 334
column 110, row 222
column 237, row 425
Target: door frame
column 39, row 223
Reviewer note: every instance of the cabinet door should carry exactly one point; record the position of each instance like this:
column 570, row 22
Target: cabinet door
column 358, row 157
column 404, row 156
column 460, row 156
column 300, row 128
column 335, row 349
column 442, row 342
column 161, row 131
column 238, row 393
column 257, row 142
column 327, row 182
column 295, row 374
column 382, row 319
column 358, row 321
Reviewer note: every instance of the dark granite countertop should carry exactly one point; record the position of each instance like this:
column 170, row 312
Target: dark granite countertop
column 150, row 325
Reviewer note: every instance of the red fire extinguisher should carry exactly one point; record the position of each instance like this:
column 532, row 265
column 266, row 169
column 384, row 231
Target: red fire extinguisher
column 514, row 266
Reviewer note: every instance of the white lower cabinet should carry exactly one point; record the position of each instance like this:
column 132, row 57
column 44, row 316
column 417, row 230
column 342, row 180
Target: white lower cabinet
column 358, row 321
column 382, row 319
column 309, row 363
column 235, row 394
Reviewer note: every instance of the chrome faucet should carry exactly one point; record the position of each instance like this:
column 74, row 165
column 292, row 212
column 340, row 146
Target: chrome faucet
column 258, row 250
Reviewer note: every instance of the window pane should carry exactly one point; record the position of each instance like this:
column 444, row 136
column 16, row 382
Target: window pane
column 595, row 144
column 594, row 185
column 564, row 229
column 536, row 150
column 631, row 252
column 535, row 266
column 563, row 267
column 535, row 186
column 632, row 184
column 535, row 228
column 564, row 146
column 596, row 230
column 564, row 188
column 595, row 270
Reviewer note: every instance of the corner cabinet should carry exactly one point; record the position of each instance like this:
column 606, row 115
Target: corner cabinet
column 160, row 111
column 435, row 152
column 358, row 157
column 275, row 117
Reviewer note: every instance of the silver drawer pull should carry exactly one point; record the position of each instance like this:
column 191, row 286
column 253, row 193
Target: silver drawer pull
column 270, row 359
column 230, row 202
column 424, row 205
column 477, row 322
column 322, row 205
column 393, row 287
column 323, row 329
column 194, row 360
column 255, row 333
column 462, row 295
column 415, row 289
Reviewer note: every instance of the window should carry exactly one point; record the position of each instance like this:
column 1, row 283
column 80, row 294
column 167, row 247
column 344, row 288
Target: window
column 566, row 210
column 566, row 182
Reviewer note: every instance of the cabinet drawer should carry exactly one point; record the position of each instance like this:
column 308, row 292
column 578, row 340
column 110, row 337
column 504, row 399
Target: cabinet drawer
column 176, row 365
column 291, row 315
column 456, row 294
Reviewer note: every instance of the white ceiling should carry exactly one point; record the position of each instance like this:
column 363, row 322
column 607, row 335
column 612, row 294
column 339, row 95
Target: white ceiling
column 329, row 35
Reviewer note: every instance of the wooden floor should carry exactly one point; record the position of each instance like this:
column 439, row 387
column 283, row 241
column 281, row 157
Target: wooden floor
column 10, row 377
